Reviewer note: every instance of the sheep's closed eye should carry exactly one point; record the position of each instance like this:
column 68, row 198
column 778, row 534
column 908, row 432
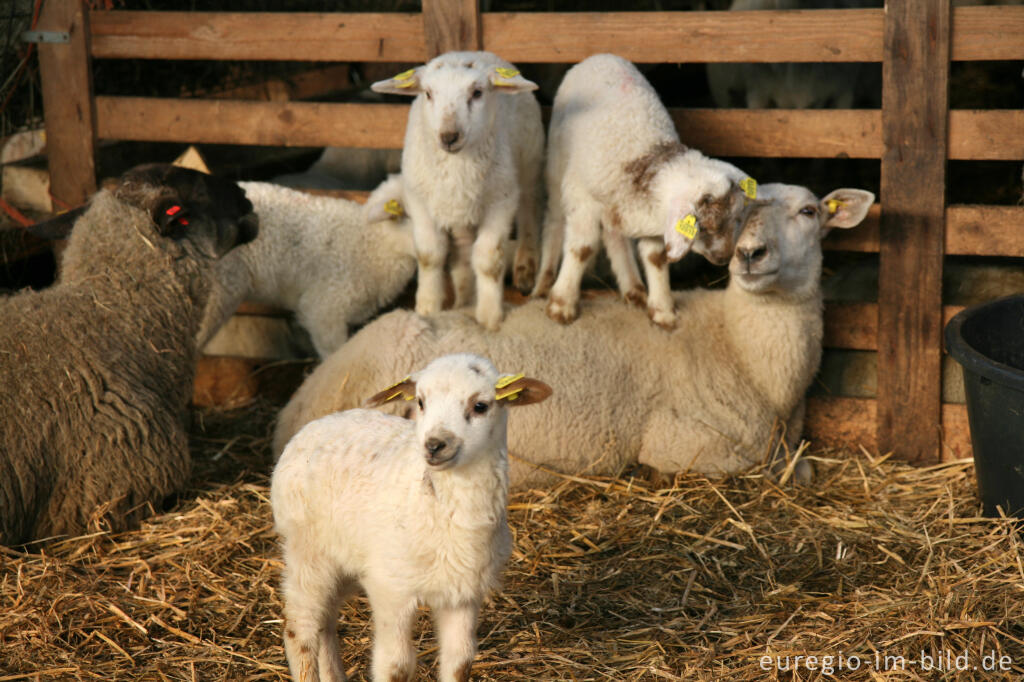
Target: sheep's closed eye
column 427, row 93
column 809, row 211
column 419, row 401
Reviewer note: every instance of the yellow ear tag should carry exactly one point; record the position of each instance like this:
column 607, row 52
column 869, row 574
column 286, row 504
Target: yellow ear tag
column 404, row 76
column 687, row 226
column 392, row 207
column 506, row 72
column 511, row 395
column 398, row 393
column 749, row 187
column 506, row 380
column 833, row 205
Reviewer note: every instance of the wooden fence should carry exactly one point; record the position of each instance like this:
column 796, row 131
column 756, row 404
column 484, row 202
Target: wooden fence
column 913, row 135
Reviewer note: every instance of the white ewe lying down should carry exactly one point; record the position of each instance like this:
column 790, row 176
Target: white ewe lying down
column 471, row 162
column 615, row 160
column 705, row 396
column 326, row 259
column 412, row 512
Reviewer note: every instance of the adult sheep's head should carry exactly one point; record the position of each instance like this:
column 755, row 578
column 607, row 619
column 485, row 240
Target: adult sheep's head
column 209, row 212
column 457, row 94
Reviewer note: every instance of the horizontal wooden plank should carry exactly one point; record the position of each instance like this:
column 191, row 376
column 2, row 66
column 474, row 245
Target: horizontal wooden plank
column 995, row 135
column 854, row 326
column 281, row 36
column 286, row 124
column 844, row 423
column 803, row 133
column 987, row 33
column 971, row 230
column 761, row 36
column 306, row 85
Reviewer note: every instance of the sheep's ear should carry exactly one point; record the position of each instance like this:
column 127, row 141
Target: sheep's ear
column 58, row 227
column 404, row 389
column 680, row 234
column 515, row 391
column 508, row 80
column 170, row 217
column 845, row 207
column 405, row 83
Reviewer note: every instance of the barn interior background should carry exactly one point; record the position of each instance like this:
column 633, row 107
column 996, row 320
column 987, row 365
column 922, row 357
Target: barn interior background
column 890, row 558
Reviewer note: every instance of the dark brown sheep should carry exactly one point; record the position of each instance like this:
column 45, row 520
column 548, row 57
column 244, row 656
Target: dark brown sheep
column 97, row 370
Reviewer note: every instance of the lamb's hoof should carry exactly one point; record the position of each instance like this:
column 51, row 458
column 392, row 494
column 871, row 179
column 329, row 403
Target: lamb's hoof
column 636, row 296
column 664, row 319
column 561, row 311
column 489, row 320
column 544, row 284
column 525, row 274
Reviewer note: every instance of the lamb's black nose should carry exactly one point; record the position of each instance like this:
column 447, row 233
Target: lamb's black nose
column 449, row 138
column 435, row 445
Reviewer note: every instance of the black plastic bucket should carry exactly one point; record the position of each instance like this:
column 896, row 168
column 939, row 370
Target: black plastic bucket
column 988, row 341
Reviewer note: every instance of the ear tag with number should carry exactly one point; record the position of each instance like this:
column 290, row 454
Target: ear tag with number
column 749, row 187
column 392, row 207
column 834, row 205
column 687, row 226
column 506, row 380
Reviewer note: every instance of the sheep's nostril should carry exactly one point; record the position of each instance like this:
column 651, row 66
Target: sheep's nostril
column 754, row 254
column 435, row 445
column 449, row 138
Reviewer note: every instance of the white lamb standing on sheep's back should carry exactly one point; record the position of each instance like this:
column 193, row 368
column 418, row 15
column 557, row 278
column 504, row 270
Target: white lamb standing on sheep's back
column 616, row 169
column 414, row 512
column 709, row 396
column 471, row 164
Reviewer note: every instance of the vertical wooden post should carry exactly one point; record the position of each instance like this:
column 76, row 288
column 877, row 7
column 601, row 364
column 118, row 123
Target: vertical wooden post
column 68, row 108
column 915, row 114
column 451, row 25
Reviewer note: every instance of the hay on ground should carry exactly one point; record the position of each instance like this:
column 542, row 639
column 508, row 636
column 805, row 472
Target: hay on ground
column 611, row 579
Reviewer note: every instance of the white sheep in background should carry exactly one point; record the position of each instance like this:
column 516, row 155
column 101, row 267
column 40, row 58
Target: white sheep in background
column 615, row 160
column 413, row 512
column 705, row 396
column 334, row 262
column 471, row 162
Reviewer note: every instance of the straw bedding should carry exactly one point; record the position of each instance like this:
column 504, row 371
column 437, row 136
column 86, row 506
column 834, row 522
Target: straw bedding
column 611, row 579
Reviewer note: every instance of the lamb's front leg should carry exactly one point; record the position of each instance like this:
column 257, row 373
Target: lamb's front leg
column 489, row 263
column 431, row 249
column 660, row 306
column 582, row 239
column 620, row 256
column 456, row 636
column 394, row 658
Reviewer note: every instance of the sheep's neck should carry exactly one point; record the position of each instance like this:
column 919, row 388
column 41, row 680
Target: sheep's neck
column 778, row 340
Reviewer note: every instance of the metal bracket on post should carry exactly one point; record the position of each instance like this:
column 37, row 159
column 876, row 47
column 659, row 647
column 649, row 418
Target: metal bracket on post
column 46, row 37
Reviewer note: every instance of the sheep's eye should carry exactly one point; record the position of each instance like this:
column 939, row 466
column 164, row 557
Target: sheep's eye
column 809, row 210
column 480, row 408
column 477, row 93
column 427, row 93
column 419, row 401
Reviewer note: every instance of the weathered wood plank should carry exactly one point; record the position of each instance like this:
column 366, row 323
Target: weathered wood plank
column 809, row 36
column 994, row 135
column 270, row 36
column 844, row 423
column 988, row 33
column 854, row 326
column 915, row 89
column 67, row 103
column 451, row 25
column 287, row 124
column 305, row 85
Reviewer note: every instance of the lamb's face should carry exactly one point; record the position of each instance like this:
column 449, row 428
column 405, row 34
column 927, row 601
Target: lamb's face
column 457, row 416
column 457, row 95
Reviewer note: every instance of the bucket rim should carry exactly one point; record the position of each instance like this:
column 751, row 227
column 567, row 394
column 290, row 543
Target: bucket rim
column 975, row 361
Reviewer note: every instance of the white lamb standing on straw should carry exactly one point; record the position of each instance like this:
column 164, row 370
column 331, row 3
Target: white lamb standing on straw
column 615, row 162
column 411, row 511
column 471, row 163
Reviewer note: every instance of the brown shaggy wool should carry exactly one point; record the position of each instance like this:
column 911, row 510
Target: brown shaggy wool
column 96, row 371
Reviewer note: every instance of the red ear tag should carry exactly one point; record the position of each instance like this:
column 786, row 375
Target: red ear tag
column 173, row 210
column 182, row 221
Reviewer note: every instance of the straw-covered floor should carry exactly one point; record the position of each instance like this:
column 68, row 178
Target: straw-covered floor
column 609, row 580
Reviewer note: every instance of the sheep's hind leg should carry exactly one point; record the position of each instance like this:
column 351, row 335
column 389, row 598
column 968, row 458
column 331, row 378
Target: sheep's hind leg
column 582, row 238
column 550, row 249
column 620, row 256
column 524, row 268
column 456, row 636
column 310, row 633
